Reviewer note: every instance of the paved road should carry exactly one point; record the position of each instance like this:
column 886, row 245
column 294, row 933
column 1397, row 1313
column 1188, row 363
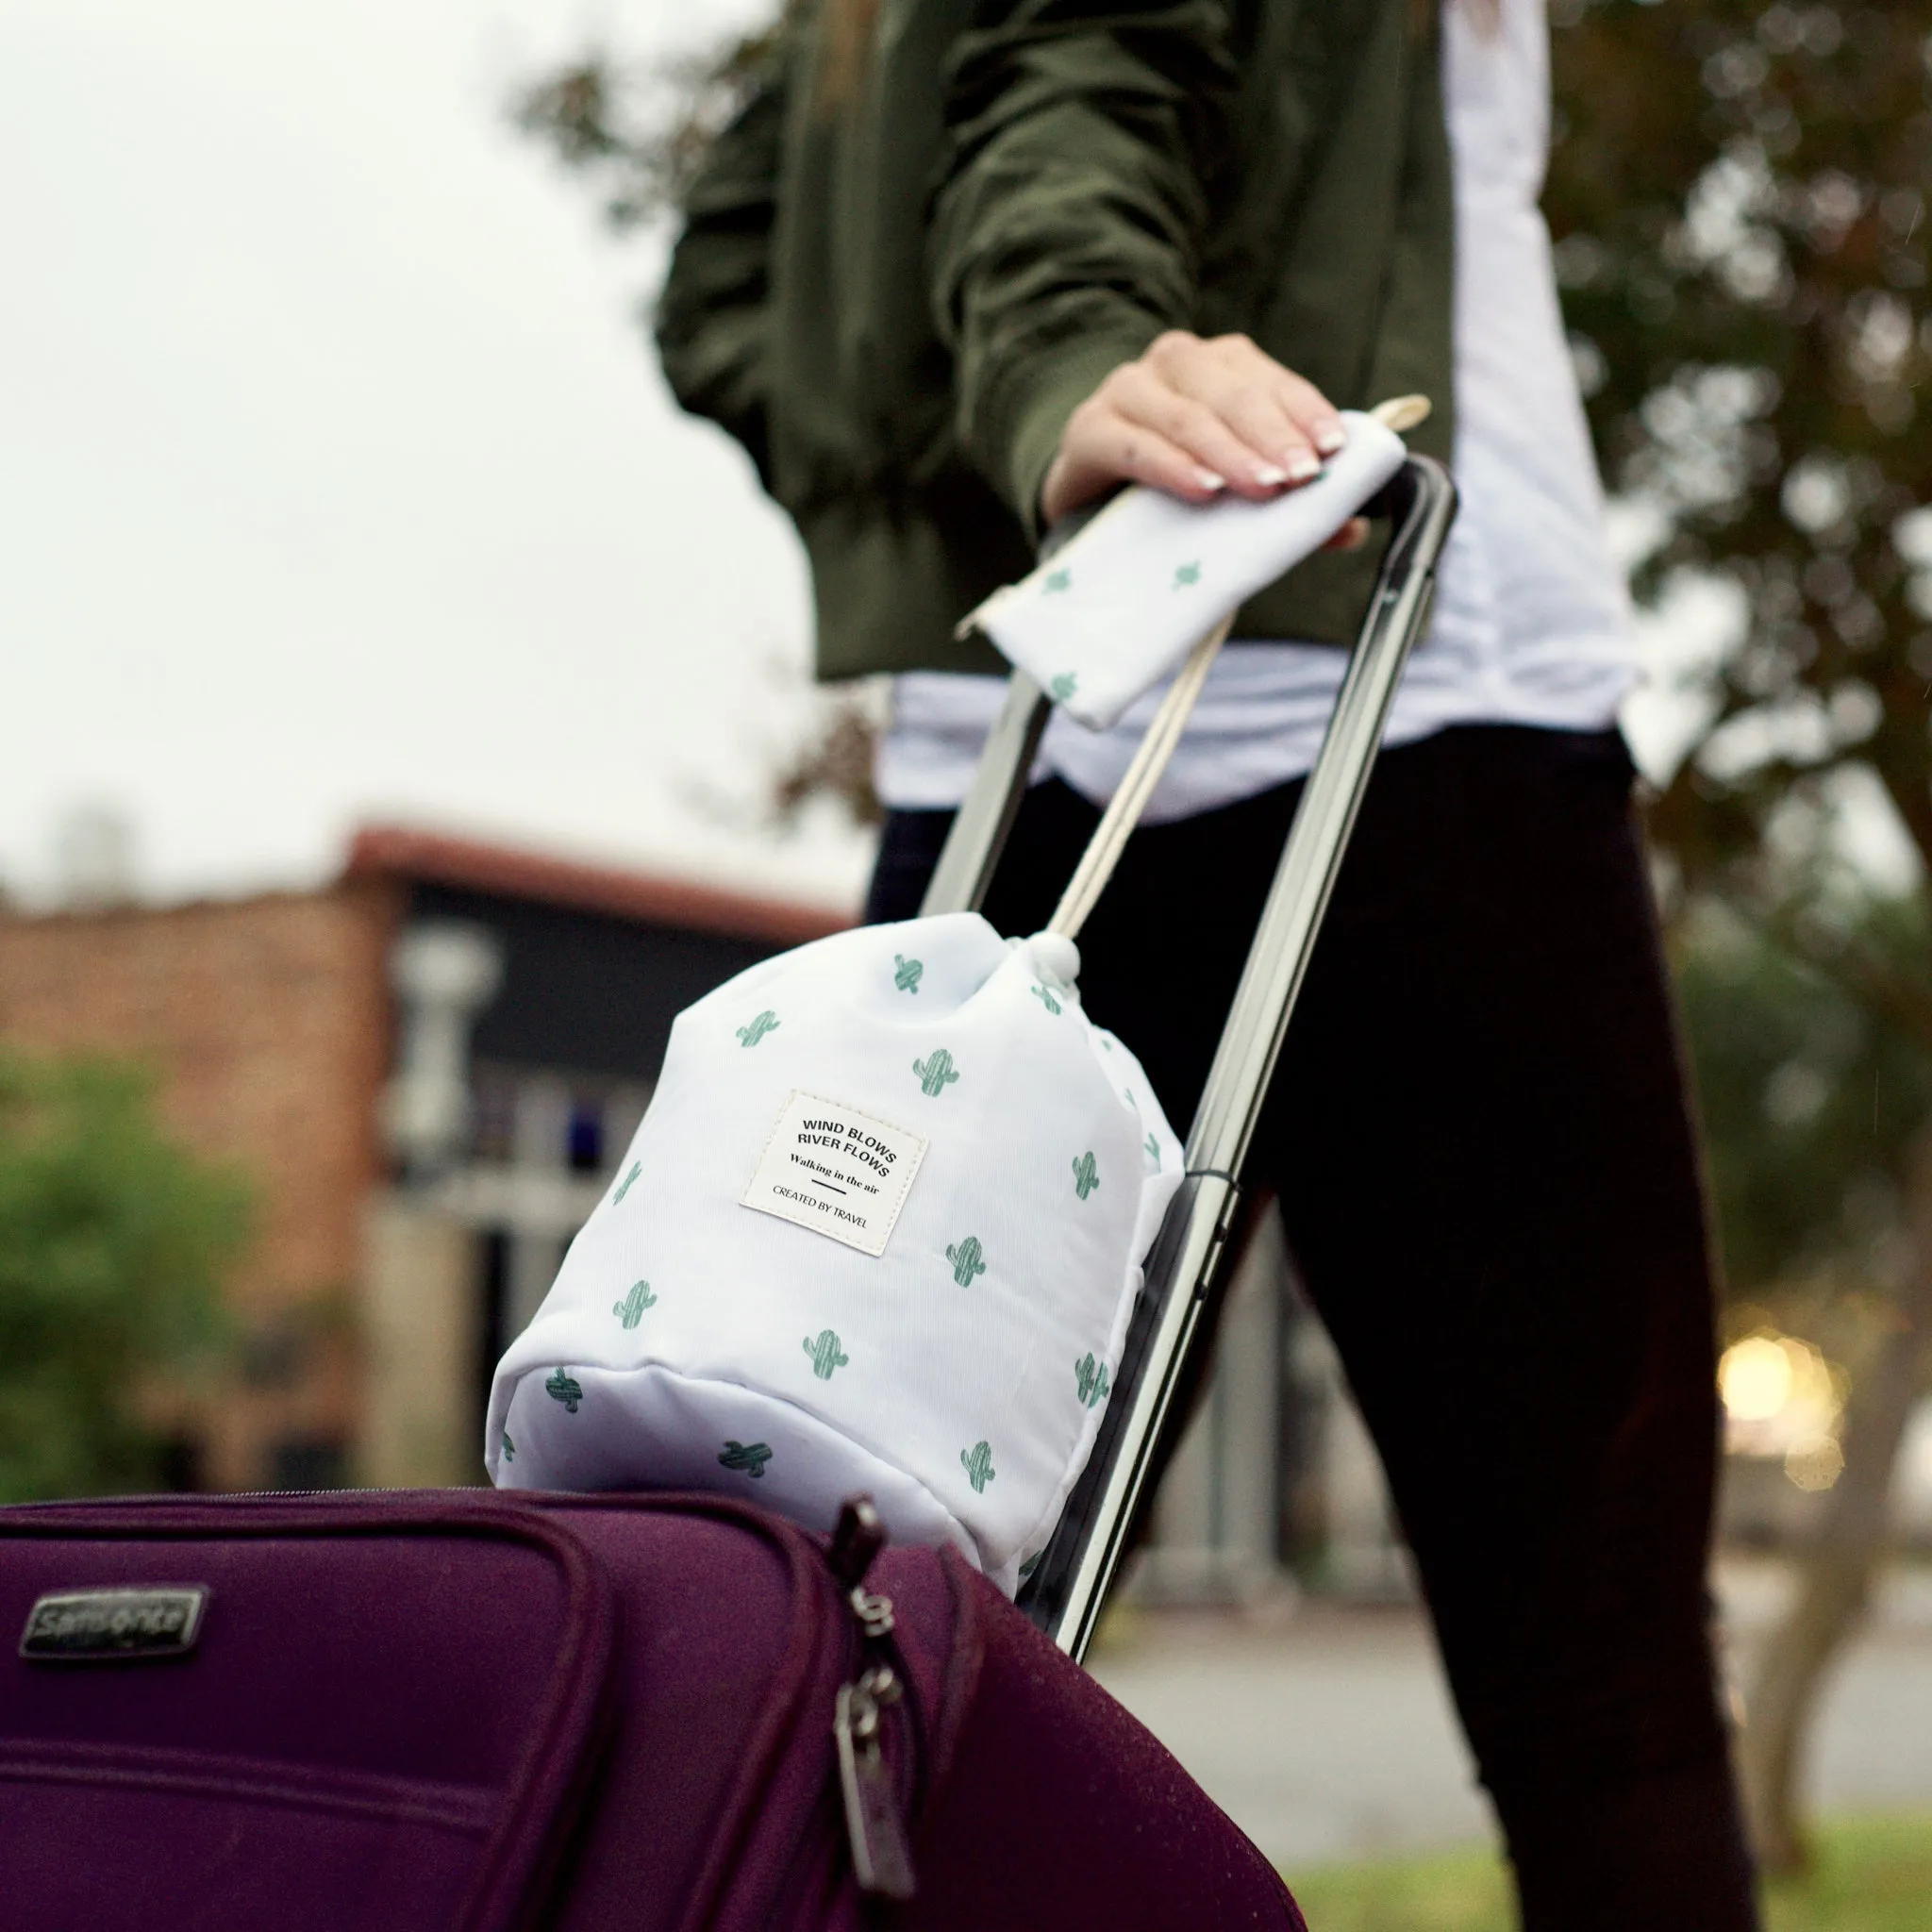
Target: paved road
column 1327, row 1734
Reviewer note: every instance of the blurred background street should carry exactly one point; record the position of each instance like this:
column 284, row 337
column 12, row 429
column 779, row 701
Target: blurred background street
column 1327, row 1734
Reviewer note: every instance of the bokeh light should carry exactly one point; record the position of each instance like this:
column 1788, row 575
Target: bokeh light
column 1754, row 1379
column 1783, row 1399
column 1815, row 1461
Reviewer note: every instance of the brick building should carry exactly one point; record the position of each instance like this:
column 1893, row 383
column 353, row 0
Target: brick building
column 371, row 1301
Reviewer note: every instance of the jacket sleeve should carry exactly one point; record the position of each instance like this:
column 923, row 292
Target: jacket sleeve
column 712, row 325
column 1082, row 142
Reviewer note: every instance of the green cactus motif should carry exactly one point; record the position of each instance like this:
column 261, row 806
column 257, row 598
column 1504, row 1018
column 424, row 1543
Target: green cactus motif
column 630, row 1310
column 766, row 1023
column 1153, row 1147
column 1186, row 574
column 749, row 1457
column 1031, row 1564
column 1089, row 1378
column 564, row 1388
column 1086, row 1175
column 935, row 1073
column 978, row 1463
column 1062, row 579
column 509, row 1448
column 968, row 1258
column 624, row 1187
column 824, row 1350
column 1063, row 687
column 907, row 977
column 1045, row 998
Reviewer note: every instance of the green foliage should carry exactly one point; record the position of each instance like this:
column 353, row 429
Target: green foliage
column 1874, row 1874
column 1738, row 201
column 1810, row 1098
column 113, row 1242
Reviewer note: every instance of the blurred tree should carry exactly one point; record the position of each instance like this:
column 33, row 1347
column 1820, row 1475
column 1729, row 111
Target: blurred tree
column 1738, row 201
column 112, row 1244
column 836, row 762
column 1810, row 1099
column 638, row 131
column 1816, row 1099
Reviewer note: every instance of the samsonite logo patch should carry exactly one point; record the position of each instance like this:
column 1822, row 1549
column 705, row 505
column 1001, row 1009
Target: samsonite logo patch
column 836, row 1171
column 100, row 1625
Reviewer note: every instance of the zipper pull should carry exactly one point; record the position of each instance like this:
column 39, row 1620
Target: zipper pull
column 880, row 1857
column 858, row 1538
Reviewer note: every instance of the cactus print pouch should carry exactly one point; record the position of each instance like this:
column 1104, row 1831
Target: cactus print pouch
column 1113, row 610
column 880, row 1230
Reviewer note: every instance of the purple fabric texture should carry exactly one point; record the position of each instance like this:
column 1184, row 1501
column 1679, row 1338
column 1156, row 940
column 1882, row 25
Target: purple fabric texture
column 416, row 1711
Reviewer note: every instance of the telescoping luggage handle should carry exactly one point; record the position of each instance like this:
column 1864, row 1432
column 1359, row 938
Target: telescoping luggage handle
column 1069, row 1584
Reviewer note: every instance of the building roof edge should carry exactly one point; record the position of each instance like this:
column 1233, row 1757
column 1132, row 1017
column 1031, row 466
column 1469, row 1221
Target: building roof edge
column 440, row 858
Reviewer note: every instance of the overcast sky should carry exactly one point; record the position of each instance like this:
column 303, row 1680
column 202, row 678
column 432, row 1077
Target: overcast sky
column 335, row 480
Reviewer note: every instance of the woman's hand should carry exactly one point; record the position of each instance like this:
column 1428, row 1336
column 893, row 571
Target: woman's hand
column 1196, row 418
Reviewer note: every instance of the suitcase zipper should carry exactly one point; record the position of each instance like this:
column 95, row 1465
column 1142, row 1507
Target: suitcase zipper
column 881, row 1860
column 881, row 1857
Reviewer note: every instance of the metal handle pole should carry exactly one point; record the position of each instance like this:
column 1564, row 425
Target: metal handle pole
column 1071, row 1581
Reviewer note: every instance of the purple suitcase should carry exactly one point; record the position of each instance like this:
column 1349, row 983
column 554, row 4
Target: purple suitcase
column 401, row 1713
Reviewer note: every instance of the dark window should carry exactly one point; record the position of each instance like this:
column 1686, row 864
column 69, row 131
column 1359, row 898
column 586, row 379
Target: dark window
column 586, row 1137
column 495, row 1288
column 309, row 1464
column 178, row 1465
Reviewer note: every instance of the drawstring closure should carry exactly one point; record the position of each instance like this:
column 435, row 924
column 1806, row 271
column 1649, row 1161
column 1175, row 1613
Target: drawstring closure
column 1130, row 798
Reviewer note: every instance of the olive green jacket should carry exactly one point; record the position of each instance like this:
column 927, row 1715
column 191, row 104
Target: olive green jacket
column 900, row 272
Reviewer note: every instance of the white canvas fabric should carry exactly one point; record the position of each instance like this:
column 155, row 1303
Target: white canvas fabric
column 1114, row 609
column 880, row 1230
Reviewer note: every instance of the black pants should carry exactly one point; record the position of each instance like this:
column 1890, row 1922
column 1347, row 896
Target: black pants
column 1479, row 1138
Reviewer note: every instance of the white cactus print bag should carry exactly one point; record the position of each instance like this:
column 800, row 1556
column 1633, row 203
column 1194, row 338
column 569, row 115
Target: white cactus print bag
column 880, row 1230
column 883, row 1223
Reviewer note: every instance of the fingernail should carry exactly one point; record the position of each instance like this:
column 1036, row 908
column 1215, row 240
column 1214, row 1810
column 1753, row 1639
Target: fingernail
column 1268, row 475
column 1208, row 481
column 1330, row 439
column 1302, row 465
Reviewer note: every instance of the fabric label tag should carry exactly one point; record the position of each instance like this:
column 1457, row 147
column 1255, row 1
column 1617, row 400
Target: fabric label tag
column 836, row 1171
